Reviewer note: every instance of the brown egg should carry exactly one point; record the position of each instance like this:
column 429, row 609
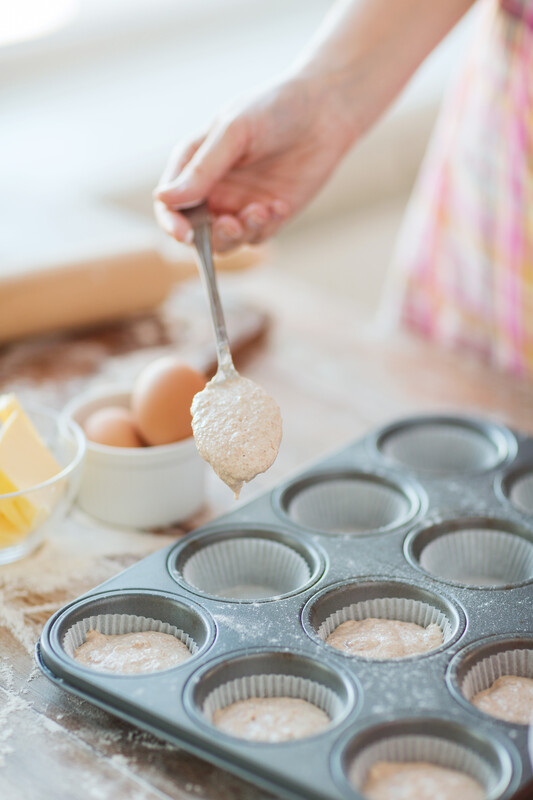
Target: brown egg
column 161, row 400
column 113, row 426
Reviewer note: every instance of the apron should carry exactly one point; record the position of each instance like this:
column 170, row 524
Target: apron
column 463, row 269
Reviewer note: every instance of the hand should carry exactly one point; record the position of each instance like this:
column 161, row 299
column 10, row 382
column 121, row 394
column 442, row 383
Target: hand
column 257, row 166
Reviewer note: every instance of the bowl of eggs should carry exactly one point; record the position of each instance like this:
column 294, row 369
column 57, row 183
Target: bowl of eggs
column 142, row 468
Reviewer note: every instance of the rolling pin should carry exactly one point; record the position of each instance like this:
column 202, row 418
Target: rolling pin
column 92, row 274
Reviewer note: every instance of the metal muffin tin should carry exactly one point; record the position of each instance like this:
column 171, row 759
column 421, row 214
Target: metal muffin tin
column 397, row 523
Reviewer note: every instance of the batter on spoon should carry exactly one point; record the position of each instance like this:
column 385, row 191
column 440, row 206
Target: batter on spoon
column 237, row 428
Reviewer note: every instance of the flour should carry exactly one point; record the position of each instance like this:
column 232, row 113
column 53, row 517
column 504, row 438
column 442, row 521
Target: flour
column 237, row 429
column 78, row 557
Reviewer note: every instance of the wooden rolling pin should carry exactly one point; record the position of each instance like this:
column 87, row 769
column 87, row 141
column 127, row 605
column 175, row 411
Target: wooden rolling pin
column 82, row 294
column 106, row 267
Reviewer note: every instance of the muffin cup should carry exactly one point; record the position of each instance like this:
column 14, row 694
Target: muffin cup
column 245, row 565
column 394, row 608
column 475, row 669
column 274, row 673
column 436, row 741
column 266, row 686
column 517, row 488
column 114, row 624
column 382, row 600
column 443, row 445
column 349, row 503
column 480, row 552
column 130, row 611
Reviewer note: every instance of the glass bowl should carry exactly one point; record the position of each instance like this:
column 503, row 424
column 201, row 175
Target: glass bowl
column 52, row 498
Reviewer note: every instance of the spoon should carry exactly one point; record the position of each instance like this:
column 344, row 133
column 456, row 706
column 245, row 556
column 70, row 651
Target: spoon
column 198, row 216
column 236, row 424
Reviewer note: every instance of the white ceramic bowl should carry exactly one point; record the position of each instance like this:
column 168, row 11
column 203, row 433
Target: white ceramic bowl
column 139, row 487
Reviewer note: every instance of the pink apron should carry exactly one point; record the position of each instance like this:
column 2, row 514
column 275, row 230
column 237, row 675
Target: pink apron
column 464, row 263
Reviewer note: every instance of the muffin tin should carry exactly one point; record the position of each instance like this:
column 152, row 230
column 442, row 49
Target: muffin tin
column 427, row 520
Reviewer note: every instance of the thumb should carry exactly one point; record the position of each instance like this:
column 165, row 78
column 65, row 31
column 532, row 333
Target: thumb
column 221, row 149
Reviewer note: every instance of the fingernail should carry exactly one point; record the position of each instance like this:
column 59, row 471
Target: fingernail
column 228, row 233
column 189, row 236
column 254, row 223
column 179, row 185
column 280, row 209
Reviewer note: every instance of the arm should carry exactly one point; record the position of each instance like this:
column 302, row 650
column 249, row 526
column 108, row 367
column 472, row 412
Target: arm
column 367, row 50
column 260, row 163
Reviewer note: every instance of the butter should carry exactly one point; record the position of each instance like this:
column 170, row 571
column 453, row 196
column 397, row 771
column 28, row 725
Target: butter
column 25, row 461
column 9, row 404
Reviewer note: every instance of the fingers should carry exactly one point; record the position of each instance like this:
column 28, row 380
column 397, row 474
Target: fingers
column 173, row 223
column 180, row 156
column 255, row 223
column 170, row 221
column 227, row 233
column 221, row 149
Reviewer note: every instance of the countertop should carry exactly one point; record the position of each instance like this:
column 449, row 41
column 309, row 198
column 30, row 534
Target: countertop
column 334, row 380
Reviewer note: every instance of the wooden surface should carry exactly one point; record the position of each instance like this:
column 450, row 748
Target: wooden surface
column 333, row 380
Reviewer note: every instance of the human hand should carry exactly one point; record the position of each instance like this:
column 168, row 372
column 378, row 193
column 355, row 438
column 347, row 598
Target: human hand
column 257, row 166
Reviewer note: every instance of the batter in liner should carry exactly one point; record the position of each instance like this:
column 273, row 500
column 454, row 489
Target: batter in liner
column 510, row 697
column 384, row 638
column 390, row 780
column 271, row 719
column 237, row 428
column 130, row 653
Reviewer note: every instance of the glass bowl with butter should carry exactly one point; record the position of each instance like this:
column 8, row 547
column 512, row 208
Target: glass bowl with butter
column 41, row 454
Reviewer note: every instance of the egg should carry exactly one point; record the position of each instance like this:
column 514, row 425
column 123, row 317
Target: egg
column 113, row 426
column 161, row 400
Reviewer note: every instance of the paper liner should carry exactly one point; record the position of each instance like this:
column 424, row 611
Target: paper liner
column 349, row 505
column 441, row 448
column 521, row 492
column 270, row 685
column 507, row 662
column 246, row 569
column 400, row 608
column 479, row 557
column 121, row 623
column 415, row 748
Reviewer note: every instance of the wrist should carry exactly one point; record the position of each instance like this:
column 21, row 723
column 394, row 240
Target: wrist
column 333, row 94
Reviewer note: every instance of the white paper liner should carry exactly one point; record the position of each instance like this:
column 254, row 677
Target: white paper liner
column 521, row 492
column 246, row 569
column 400, row 608
column 349, row 505
column 415, row 748
column 273, row 686
column 121, row 623
column 441, row 448
column 479, row 557
column 483, row 674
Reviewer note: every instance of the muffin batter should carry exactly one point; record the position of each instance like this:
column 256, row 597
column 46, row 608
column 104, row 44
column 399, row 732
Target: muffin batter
column 384, row 638
column 389, row 780
column 271, row 719
column 237, row 429
column 510, row 697
column 130, row 653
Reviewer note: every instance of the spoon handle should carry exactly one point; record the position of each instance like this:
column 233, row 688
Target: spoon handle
column 198, row 216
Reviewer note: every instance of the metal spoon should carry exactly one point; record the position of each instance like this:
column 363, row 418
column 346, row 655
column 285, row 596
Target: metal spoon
column 198, row 216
